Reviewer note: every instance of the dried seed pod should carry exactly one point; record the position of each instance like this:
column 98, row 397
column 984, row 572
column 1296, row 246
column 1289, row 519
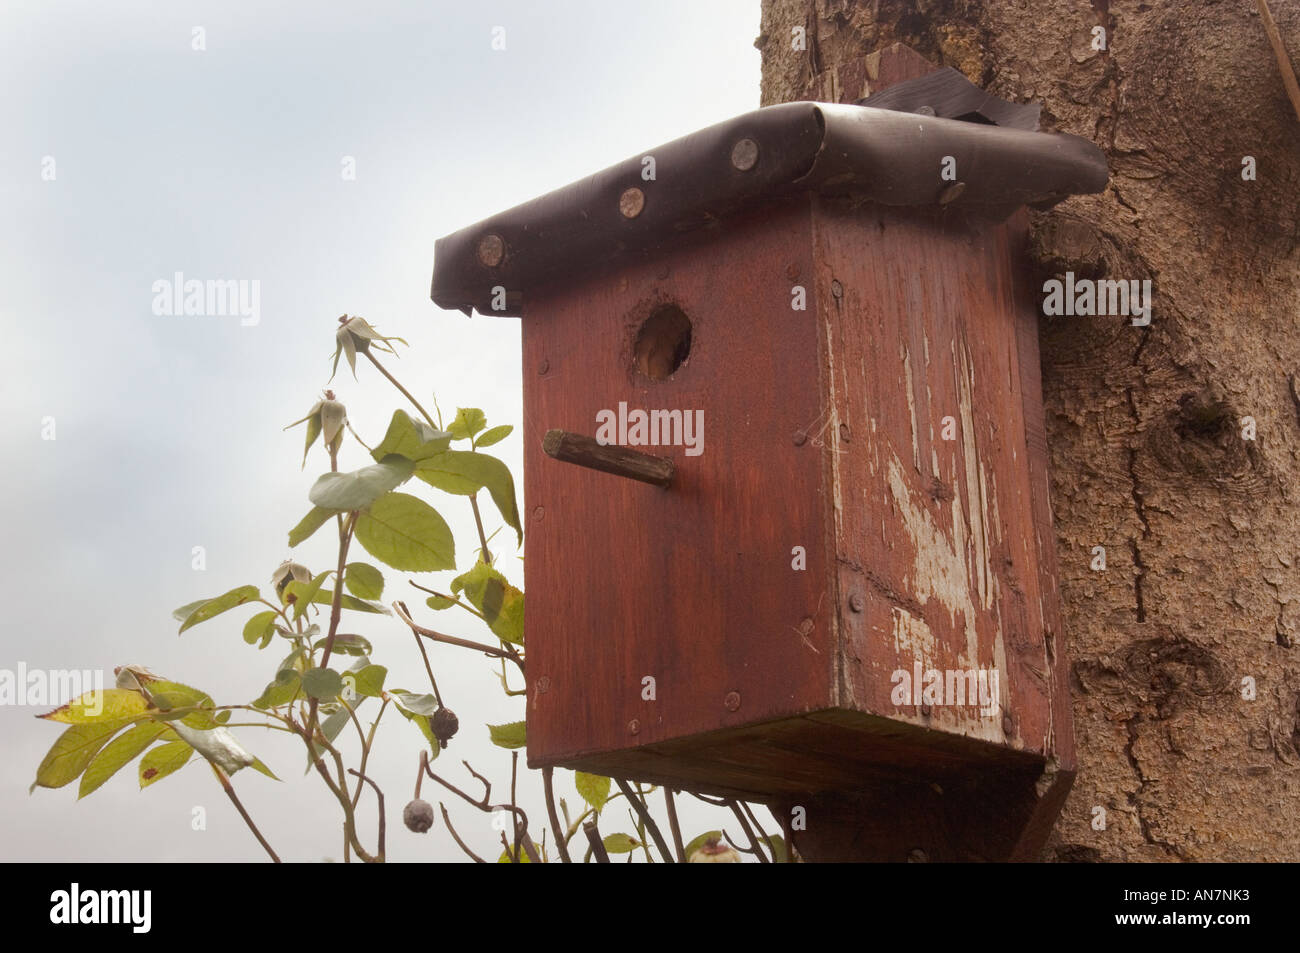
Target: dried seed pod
column 418, row 816
column 444, row 724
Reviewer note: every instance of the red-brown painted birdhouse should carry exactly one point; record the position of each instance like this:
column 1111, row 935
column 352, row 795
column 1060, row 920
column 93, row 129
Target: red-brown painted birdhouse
column 785, row 475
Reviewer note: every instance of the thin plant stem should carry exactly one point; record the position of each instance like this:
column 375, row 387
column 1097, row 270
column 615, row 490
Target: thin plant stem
column 234, row 799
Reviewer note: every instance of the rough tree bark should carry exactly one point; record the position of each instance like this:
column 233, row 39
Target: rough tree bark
column 1201, row 526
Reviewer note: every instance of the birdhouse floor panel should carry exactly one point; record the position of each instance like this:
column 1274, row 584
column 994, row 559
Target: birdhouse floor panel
column 832, row 750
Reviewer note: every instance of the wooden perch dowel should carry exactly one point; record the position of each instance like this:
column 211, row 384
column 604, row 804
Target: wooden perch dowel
column 620, row 461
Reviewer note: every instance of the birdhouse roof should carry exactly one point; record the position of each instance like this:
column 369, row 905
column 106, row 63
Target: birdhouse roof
column 876, row 155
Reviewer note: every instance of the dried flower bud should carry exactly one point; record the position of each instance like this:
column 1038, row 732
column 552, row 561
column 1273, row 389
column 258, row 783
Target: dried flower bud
column 444, row 724
column 287, row 572
column 418, row 816
column 134, row 677
column 714, row 852
column 326, row 417
column 354, row 336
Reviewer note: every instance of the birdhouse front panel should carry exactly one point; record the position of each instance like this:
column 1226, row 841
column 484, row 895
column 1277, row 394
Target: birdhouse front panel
column 659, row 614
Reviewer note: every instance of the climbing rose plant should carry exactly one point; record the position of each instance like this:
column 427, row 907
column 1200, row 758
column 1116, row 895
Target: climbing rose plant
column 328, row 676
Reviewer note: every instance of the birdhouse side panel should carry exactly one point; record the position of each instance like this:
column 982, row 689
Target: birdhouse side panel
column 937, row 542
column 663, row 614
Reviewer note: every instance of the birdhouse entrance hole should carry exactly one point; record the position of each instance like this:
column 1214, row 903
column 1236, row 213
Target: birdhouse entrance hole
column 663, row 342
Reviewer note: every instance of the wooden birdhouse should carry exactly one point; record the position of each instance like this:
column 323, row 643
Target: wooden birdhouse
column 785, row 476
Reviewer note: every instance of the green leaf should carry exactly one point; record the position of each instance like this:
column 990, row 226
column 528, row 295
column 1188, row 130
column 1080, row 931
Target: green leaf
column 281, row 691
column 464, row 472
column 439, row 602
column 118, row 753
column 495, row 435
column 620, row 843
column 368, row 681
column 363, row 580
column 418, row 709
column 523, row 857
column 347, row 644
column 313, row 521
column 469, row 421
column 502, row 604
column 261, row 628
column 593, row 788
column 164, row 760
column 100, row 707
column 698, row 842
column 185, row 611
column 776, row 843
column 407, row 534
column 413, row 439
column 303, row 594
column 325, row 597
column 167, row 696
column 72, row 752
column 257, row 765
column 510, row 735
column 411, row 704
column 323, row 683
column 222, row 603
column 352, row 491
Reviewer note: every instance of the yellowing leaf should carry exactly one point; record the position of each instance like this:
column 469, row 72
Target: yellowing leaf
column 502, row 604
column 163, row 760
column 73, row 750
column 511, row 735
column 593, row 788
column 117, row 754
column 101, row 706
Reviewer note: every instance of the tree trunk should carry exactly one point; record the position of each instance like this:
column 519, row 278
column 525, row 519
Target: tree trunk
column 1173, row 446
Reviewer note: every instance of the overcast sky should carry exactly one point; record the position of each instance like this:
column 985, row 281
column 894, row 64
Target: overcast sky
column 128, row 156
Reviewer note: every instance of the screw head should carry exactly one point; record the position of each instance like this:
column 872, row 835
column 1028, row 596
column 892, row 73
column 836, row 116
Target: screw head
column 800, row 438
column 543, row 367
column 837, row 289
column 925, row 110
column 844, row 432
column 856, row 603
column 744, row 154
column 633, row 727
column 538, row 513
column 792, row 271
column 1008, row 725
column 732, row 701
column 543, row 684
column 491, row 250
column 917, row 856
column 631, row 202
column 925, row 711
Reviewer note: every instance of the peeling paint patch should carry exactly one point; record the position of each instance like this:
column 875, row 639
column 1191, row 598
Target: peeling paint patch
column 976, row 491
column 911, row 407
column 912, row 637
column 940, row 570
